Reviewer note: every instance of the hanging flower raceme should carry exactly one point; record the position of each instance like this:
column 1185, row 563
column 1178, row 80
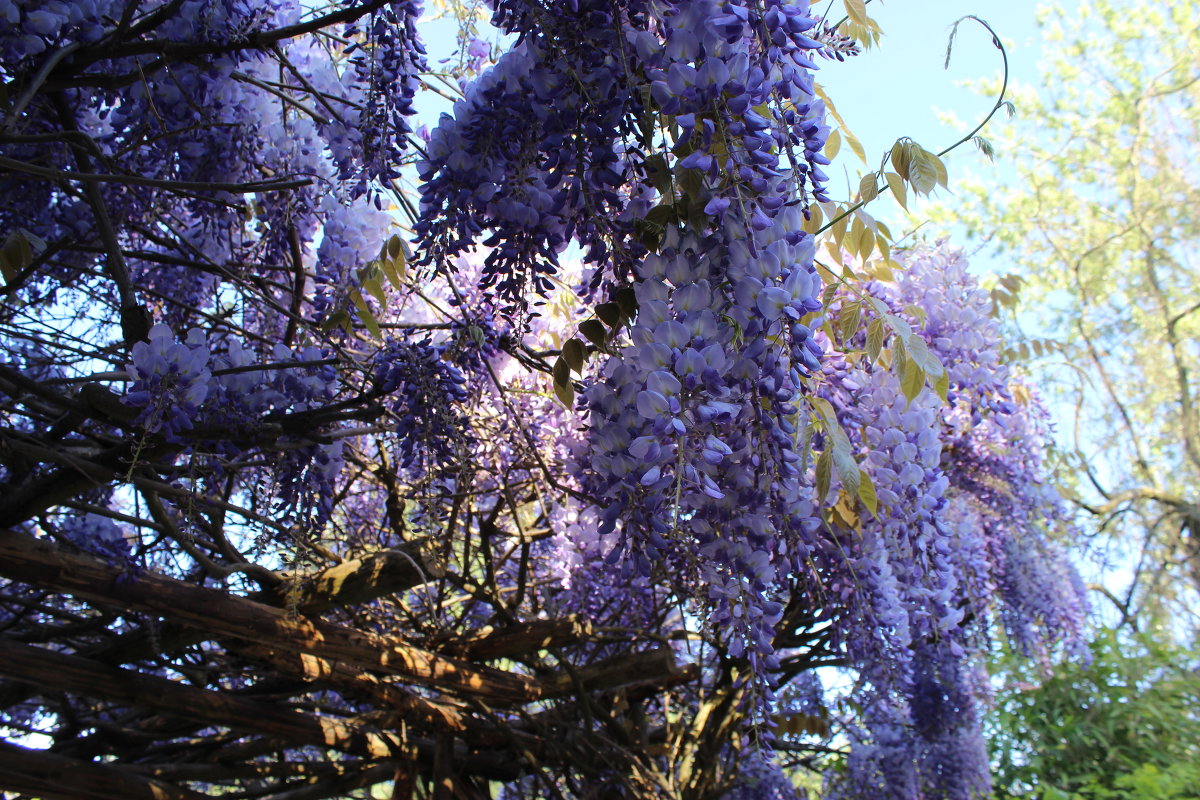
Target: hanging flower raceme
column 533, row 155
column 961, row 493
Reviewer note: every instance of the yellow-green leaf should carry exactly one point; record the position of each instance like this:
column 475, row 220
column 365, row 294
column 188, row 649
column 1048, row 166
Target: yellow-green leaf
column 857, row 11
column 899, row 158
column 849, row 318
column 373, row 286
column 868, row 189
column 843, row 459
column 942, row 386
column 851, row 140
column 16, row 255
column 923, row 174
column 866, row 492
column 896, row 184
column 833, row 143
column 565, row 393
column 824, row 410
column 874, row 338
column 561, row 372
column 912, row 379
column 390, row 272
column 395, row 250
column 924, row 358
column 866, row 244
column 364, row 313
column 824, row 468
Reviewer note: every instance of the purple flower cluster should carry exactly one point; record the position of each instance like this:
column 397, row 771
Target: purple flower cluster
column 29, row 29
column 759, row 777
column 170, row 381
column 424, row 388
column 386, row 64
column 962, row 498
column 693, row 427
column 722, row 66
column 535, row 154
column 98, row 535
column 241, row 116
column 532, row 156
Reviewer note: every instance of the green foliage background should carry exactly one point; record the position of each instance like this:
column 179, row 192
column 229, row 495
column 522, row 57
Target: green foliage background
column 1124, row 727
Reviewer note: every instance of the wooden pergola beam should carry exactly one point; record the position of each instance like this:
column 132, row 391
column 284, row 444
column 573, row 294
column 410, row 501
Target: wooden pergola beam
column 358, row 580
column 24, row 558
column 62, row 672
column 515, row 640
column 48, row 669
column 53, row 777
column 339, row 677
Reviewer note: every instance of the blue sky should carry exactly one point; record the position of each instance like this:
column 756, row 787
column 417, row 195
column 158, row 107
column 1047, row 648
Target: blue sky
column 893, row 90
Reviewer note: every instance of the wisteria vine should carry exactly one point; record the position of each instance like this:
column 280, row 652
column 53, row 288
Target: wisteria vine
column 592, row 380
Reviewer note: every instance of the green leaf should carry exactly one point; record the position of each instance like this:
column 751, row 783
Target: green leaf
column 334, row 319
column 16, row 255
column 985, row 147
column 690, row 181
column 839, row 444
column 662, row 215
column 866, row 492
column 627, row 301
column 874, row 339
column 824, row 466
column 575, row 354
column 610, row 313
column 659, row 173
column 843, row 458
column 595, row 331
column 899, row 326
column 649, row 234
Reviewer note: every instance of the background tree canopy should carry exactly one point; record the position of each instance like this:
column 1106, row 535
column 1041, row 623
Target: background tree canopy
column 1098, row 229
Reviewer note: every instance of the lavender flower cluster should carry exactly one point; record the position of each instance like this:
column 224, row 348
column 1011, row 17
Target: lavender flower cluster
column 193, row 397
column 694, row 455
column 965, row 511
column 532, row 155
column 424, row 388
column 241, row 116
